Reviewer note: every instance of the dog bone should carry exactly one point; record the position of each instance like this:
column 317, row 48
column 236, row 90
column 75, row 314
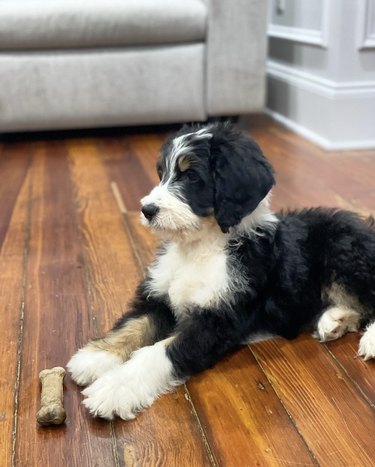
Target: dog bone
column 52, row 411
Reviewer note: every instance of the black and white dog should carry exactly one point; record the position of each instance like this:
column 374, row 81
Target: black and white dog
column 228, row 272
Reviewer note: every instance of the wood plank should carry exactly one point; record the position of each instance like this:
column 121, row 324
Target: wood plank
column 149, row 146
column 318, row 177
column 125, row 167
column 235, row 404
column 300, row 179
column 243, row 419
column 14, row 221
column 14, row 163
column 114, row 272
column 56, row 321
column 361, row 373
column 336, row 423
column 112, row 267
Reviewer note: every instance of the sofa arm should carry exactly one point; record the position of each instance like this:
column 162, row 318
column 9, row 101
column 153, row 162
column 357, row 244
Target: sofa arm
column 236, row 56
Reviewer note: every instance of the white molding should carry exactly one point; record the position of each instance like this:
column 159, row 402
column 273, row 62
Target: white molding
column 317, row 139
column 322, row 86
column 308, row 36
column 366, row 26
column 305, row 36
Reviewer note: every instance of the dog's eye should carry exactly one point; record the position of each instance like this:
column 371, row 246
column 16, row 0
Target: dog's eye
column 192, row 175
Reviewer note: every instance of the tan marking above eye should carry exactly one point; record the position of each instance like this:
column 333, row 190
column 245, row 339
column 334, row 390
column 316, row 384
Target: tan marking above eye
column 183, row 163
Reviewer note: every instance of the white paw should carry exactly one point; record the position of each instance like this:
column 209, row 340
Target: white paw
column 112, row 395
column 126, row 390
column 89, row 364
column 335, row 322
column 367, row 343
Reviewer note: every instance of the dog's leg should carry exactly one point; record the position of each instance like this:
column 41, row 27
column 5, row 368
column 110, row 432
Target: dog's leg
column 335, row 322
column 149, row 321
column 132, row 386
column 100, row 355
column 367, row 343
column 154, row 370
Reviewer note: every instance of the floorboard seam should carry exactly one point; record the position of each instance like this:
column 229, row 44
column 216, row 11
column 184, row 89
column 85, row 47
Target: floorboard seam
column 293, row 422
column 356, row 386
column 92, row 316
column 96, row 335
column 21, row 324
column 123, row 211
column 201, row 429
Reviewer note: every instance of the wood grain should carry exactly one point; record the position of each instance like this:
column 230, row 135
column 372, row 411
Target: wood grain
column 114, row 271
column 125, row 168
column 14, row 163
column 56, row 320
column 361, row 373
column 150, row 149
column 309, row 176
column 336, row 423
column 14, row 222
column 238, row 407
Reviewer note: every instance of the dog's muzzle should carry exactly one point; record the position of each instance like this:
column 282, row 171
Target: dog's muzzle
column 150, row 211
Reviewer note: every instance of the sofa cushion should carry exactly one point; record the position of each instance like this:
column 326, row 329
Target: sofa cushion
column 46, row 24
column 45, row 91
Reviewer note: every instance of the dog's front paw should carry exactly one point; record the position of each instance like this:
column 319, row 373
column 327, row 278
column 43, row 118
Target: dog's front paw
column 88, row 364
column 367, row 343
column 110, row 395
column 131, row 387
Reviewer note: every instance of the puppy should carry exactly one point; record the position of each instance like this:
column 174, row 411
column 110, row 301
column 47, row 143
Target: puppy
column 228, row 272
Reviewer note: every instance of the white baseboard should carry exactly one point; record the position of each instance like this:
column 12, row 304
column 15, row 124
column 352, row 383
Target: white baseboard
column 317, row 139
column 331, row 114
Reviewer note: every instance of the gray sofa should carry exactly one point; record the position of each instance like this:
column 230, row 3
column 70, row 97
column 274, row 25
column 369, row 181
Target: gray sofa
column 95, row 63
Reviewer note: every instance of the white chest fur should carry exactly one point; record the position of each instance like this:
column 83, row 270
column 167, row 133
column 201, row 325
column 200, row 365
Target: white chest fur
column 192, row 275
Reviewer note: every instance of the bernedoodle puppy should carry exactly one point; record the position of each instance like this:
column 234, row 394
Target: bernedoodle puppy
column 228, row 272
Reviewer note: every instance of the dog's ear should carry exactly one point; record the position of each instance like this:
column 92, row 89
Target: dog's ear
column 242, row 176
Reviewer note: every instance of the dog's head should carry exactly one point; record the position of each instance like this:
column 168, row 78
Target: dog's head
column 212, row 171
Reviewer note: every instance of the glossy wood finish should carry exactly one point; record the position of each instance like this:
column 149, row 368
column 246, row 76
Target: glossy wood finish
column 72, row 252
column 56, row 319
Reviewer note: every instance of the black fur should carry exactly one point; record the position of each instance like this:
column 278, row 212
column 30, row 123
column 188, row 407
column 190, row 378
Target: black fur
column 242, row 175
column 157, row 310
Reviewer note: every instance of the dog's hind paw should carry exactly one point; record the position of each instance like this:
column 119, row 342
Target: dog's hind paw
column 367, row 343
column 335, row 322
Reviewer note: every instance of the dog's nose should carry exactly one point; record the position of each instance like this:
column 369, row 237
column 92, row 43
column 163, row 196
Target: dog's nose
column 150, row 211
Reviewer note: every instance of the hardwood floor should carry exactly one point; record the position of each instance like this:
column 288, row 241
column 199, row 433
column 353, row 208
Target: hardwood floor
column 71, row 253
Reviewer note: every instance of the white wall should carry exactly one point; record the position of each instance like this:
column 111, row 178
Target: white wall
column 297, row 13
column 321, row 70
